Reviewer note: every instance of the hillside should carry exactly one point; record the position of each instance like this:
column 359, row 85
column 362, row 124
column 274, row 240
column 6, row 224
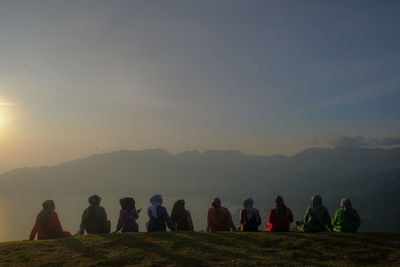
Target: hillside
column 205, row 249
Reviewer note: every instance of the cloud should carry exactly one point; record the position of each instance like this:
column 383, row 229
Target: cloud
column 388, row 141
column 360, row 141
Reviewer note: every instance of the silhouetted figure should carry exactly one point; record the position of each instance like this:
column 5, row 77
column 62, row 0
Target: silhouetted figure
column 249, row 217
column 219, row 218
column 47, row 224
column 128, row 216
column 158, row 216
column 280, row 217
column 317, row 217
column 181, row 217
column 94, row 218
column 346, row 218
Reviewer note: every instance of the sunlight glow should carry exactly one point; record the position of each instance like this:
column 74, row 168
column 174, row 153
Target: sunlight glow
column 7, row 104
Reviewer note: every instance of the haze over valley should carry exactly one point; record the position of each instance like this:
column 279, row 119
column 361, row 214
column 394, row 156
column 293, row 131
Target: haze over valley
column 370, row 177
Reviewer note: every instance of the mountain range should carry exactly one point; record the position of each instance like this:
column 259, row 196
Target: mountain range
column 369, row 177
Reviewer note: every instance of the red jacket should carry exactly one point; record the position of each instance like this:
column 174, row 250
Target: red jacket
column 52, row 229
column 219, row 219
column 279, row 223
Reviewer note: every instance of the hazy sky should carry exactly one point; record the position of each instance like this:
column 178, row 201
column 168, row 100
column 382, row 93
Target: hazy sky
column 82, row 77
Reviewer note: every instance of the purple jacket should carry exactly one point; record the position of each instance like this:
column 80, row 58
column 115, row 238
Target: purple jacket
column 127, row 221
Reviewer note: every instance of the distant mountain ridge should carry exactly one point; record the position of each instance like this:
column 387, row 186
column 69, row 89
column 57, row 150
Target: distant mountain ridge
column 368, row 176
column 311, row 165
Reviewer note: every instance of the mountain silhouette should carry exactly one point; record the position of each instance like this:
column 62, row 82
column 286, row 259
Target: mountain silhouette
column 370, row 177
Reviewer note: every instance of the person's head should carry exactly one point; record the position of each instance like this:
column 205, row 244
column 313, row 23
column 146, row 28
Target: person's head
column 127, row 203
column 178, row 210
column 316, row 202
column 345, row 204
column 156, row 200
column 180, row 204
column 49, row 205
column 279, row 203
column 48, row 208
column 216, row 202
column 94, row 200
column 248, row 203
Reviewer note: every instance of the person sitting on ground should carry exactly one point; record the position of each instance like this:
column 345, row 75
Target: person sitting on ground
column 158, row 216
column 279, row 218
column 94, row 218
column 128, row 216
column 181, row 217
column 47, row 224
column 317, row 217
column 219, row 218
column 249, row 217
column 346, row 218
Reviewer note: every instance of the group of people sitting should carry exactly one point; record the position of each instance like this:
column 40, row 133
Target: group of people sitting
column 94, row 218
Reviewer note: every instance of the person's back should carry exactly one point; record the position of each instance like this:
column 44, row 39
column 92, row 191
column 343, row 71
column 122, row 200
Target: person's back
column 47, row 224
column 128, row 216
column 249, row 217
column 94, row 218
column 219, row 218
column 280, row 217
column 279, row 222
column 158, row 216
column 181, row 217
column 317, row 217
column 346, row 219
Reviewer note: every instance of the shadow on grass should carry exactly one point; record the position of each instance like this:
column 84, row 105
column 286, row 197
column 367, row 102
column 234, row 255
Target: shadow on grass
column 145, row 250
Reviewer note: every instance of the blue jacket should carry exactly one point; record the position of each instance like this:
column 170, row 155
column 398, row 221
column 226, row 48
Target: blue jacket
column 159, row 224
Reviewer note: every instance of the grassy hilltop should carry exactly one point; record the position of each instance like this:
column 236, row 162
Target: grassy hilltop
column 205, row 249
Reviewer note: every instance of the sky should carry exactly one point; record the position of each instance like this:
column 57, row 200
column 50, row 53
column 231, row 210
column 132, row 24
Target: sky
column 264, row 77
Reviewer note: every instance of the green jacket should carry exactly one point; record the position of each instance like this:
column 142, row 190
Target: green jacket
column 313, row 224
column 344, row 223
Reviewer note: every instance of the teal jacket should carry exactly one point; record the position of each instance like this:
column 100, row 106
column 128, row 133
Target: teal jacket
column 342, row 222
column 312, row 224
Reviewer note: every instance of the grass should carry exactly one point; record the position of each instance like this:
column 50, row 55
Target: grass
column 207, row 249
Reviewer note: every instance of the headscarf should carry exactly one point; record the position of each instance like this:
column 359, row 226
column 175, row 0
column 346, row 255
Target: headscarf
column 216, row 202
column 155, row 201
column 345, row 205
column 94, row 200
column 280, row 206
column 178, row 210
column 45, row 213
column 317, row 208
column 248, row 205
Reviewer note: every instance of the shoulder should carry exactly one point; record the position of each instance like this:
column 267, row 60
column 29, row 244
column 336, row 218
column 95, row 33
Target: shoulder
column 271, row 212
column 101, row 209
column 225, row 210
column 161, row 209
column 338, row 211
